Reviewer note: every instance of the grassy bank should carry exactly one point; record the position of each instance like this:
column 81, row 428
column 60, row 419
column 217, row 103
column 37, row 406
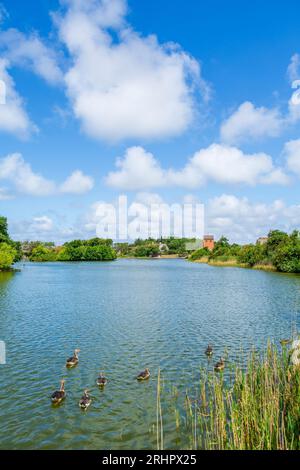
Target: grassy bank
column 233, row 263
column 256, row 408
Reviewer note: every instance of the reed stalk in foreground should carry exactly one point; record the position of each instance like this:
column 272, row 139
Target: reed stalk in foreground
column 159, row 421
column 256, row 409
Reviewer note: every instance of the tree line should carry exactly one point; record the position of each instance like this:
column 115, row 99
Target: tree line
column 281, row 251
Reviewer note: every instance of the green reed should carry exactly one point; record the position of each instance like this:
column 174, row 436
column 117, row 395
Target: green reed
column 251, row 408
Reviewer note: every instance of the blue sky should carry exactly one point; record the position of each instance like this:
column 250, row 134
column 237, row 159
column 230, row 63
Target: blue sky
column 192, row 99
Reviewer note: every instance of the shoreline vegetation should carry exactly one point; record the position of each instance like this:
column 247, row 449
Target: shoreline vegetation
column 280, row 251
column 249, row 408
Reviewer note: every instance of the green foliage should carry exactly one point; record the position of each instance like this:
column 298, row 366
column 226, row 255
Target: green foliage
column 222, row 247
column 7, row 255
column 4, row 237
column 282, row 251
column 151, row 247
column 41, row 254
column 200, row 253
column 276, row 238
column 255, row 408
column 286, row 257
column 96, row 249
column 146, row 250
column 251, row 254
column 86, row 252
column 176, row 245
column 122, row 249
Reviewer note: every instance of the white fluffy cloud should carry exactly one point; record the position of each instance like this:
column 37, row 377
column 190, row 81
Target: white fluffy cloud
column 77, row 183
column 42, row 224
column 293, row 70
column 138, row 170
column 17, row 171
column 240, row 219
column 219, row 163
column 244, row 221
column 13, row 168
column 129, row 87
column 13, row 116
column 30, row 52
column 292, row 155
column 227, row 165
column 249, row 122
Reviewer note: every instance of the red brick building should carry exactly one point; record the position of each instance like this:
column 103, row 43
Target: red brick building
column 209, row 242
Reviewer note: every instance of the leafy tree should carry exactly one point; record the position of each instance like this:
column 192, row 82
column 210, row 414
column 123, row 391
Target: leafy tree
column 41, row 254
column 87, row 250
column 200, row 253
column 286, row 258
column 146, row 250
column 251, row 254
column 222, row 248
column 7, row 256
column 4, row 237
column 122, row 248
column 275, row 239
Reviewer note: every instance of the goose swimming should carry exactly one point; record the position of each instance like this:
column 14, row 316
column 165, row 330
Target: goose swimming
column 102, row 380
column 220, row 365
column 85, row 400
column 209, row 350
column 144, row 375
column 73, row 361
column 58, row 396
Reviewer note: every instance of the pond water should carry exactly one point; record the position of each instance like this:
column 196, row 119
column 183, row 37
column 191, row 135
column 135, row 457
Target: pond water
column 124, row 316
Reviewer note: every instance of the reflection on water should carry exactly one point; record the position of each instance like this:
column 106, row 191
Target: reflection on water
column 124, row 316
column 5, row 276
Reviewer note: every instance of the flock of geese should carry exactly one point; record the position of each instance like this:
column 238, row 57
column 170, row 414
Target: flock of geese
column 59, row 395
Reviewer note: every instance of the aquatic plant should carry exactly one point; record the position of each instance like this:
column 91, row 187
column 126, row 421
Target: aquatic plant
column 256, row 407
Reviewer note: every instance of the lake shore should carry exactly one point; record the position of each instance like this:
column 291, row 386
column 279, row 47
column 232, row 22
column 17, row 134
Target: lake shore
column 236, row 413
column 233, row 263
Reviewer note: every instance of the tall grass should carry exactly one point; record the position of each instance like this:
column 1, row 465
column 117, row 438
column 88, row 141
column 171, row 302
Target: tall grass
column 251, row 408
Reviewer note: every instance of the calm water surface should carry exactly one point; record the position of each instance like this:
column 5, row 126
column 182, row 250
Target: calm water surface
column 124, row 316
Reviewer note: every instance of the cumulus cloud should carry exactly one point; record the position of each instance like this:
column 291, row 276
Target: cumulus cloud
column 30, row 52
column 136, row 171
column 244, row 221
column 16, row 170
column 292, row 155
column 13, row 116
column 293, row 70
column 241, row 219
column 249, row 122
column 219, row 163
column 77, row 183
column 227, row 165
column 13, row 168
column 42, row 224
column 125, row 85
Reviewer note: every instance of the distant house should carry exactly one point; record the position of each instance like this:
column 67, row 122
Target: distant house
column 262, row 240
column 209, row 242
